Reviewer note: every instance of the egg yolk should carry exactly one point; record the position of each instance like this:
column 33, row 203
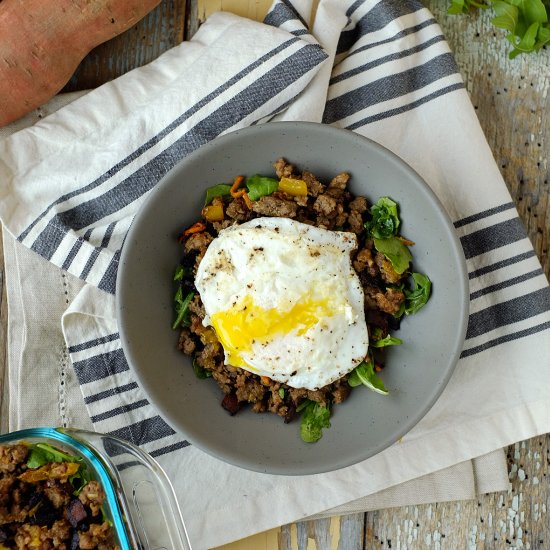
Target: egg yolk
column 247, row 323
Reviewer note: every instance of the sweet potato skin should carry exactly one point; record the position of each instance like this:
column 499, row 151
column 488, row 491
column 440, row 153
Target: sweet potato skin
column 43, row 41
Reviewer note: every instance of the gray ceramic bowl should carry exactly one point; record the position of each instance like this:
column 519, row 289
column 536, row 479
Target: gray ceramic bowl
column 416, row 373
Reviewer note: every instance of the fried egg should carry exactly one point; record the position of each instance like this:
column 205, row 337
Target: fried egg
column 285, row 301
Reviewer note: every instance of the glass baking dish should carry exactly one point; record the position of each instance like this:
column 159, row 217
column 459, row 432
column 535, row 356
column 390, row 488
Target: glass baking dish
column 140, row 500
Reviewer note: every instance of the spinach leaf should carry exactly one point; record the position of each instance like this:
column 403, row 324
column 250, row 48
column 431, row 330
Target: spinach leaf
column 385, row 220
column 416, row 298
column 219, row 190
column 314, row 418
column 200, row 372
column 260, row 186
column 42, row 453
column 387, row 341
column 364, row 374
column 396, row 252
column 182, row 308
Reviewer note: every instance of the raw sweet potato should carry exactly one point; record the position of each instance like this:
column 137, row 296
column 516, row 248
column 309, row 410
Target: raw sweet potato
column 43, row 41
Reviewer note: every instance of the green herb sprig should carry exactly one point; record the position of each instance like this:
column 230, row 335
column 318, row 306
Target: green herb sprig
column 364, row 374
column 315, row 417
column 527, row 21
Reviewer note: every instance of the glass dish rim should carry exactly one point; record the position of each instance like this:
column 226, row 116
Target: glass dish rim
column 104, row 477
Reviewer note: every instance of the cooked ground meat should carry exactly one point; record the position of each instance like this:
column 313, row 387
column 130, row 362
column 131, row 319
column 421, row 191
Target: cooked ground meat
column 238, row 210
column 59, row 494
column 340, row 181
column 359, row 204
column 274, row 206
column 314, row 186
column 388, row 301
column 93, row 496
column 329, row 206
column 11, row 456
column 283, row 169
column 38, row 509
column 187, row 343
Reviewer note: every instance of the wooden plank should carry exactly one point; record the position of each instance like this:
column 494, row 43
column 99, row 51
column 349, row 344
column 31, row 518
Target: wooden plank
column 512, row 104
column 253, row 9
column 514, row 519
column 160, row 30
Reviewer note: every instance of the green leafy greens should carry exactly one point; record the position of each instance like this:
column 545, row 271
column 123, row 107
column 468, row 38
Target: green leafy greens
column 397, row 253
column 387, row 341
column 315, row 417
column 180, row 273
column 200, row 372
column 219, row 190
column 525, row 20
column 42, row 453
column 182, row 308
column 384, row 221
column 364, row 374
column 260, row 186
column 416, row 298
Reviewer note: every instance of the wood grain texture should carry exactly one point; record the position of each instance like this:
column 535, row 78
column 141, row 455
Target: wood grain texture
column 160, row 30
column 512, row 104
column 511, row 100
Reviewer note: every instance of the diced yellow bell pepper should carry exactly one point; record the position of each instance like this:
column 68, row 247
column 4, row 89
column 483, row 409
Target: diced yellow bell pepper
column 213, row 213
column 52, row 470
column 293, row 187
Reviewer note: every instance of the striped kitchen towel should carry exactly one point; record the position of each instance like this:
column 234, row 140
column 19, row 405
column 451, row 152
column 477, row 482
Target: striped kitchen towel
column 71, row 184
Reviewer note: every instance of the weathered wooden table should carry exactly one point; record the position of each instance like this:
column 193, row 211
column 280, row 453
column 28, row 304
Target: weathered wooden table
column 513, row 106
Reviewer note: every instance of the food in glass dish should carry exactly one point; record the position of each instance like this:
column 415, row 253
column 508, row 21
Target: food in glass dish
column 288, row 291
column 48, row 499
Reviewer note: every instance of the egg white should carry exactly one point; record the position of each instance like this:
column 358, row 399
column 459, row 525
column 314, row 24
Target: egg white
column 285, row 300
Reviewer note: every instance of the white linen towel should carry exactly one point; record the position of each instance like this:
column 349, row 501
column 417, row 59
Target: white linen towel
column 72, row 183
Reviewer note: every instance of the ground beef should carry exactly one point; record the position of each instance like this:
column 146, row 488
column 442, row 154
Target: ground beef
column 37, row 507
column 186, row 342
column 97, row 536
column 11, row 456
column 274, row 206
column 58, row 494
column 314, row 186
column 364, row 260
column 283, row 169
column 355, row 222
column 340, row 181
column 238, row 210
column 196, row 307
column 92, row 496
column 359, row 204
column 388, row 301
column 329, row 206
column 198, row 243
